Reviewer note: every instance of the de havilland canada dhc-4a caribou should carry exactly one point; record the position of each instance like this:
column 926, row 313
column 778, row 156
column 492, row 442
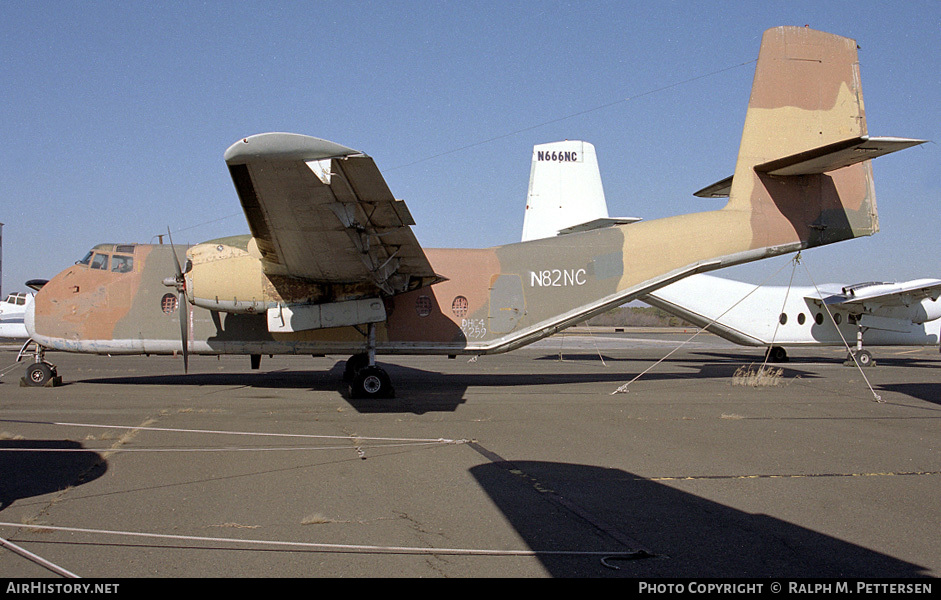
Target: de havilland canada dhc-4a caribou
column 332, row 266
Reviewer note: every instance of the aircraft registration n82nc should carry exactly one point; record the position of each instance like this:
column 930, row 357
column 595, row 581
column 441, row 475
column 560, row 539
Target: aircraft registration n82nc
column 332, row 266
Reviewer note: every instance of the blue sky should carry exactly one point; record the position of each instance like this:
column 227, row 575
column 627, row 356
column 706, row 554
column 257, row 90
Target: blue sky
column 116, row 114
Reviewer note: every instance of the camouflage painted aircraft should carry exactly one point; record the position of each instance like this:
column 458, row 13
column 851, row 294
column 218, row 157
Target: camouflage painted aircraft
column 566, row 197
column 332, row 266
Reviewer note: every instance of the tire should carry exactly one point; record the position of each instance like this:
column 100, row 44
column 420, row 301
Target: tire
column 371, row 382
column 39, row 374
column 864, row 358
column 353, row 365
column 777, row 354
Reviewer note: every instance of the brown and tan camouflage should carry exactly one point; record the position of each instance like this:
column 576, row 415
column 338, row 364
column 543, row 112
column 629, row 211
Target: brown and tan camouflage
column 806, row 96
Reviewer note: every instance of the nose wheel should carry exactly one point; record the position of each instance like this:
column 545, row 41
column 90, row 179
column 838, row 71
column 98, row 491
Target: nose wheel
column 39, row 373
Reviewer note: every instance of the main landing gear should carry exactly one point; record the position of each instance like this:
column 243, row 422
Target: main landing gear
column 40, row 373
column 863, row 357
column 365, row 378
column 776, row 354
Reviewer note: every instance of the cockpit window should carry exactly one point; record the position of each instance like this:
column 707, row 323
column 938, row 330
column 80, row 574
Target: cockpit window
column 16, row 299
column 122, row 264
column 100, row 261
column 85, row 260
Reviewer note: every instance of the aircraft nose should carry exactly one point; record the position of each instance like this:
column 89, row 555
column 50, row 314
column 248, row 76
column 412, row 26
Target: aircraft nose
column 29, row 318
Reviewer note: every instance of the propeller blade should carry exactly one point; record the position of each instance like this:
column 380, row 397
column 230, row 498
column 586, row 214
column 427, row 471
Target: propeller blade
column 176, row 261
column 184, row 337
column 182, row 305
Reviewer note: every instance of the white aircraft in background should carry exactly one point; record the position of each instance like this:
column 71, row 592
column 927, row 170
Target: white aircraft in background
column 13, row 310
column 884, row 314
column 567, row 196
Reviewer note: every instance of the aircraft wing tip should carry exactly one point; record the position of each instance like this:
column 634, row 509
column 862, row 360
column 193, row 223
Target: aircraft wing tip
column 285, row 146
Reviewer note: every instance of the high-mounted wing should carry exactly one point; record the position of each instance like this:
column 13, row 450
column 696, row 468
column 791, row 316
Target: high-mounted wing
column 322, row 212
column 888, row 306
column 885, row 294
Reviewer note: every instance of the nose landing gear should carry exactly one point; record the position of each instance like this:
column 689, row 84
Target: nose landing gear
column 40, row 373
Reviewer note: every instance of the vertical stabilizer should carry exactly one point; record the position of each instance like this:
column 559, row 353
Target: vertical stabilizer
column 806, row 99
column 564, row 189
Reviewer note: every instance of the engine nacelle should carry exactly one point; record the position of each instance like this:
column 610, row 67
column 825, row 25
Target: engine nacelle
column 225, row 276
column 926, row 310
column 228, row 275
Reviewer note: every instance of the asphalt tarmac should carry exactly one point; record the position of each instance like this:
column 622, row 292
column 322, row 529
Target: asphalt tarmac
column 528, row 464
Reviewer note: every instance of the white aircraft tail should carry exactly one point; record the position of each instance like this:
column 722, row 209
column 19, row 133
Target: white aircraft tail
column 565, row 191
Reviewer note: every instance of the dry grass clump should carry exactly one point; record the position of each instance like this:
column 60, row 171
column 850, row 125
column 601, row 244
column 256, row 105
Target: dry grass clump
column 761, row 376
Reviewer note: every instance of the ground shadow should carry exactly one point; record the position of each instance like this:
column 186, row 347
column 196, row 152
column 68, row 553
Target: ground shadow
column 929, row 391
column 420, row 391
column 35, row 467
column 559, row 507
column 881, row 360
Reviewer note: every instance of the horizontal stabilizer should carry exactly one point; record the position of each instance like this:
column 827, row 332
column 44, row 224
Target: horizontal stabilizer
column 820, row 160
column 599, row 224
column 719, row 189
column 835, row 156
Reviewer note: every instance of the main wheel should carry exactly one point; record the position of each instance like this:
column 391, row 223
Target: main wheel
column 777, row 354
column 354, row 364
column 39, row 374
column 371, row 382
column 864, row 358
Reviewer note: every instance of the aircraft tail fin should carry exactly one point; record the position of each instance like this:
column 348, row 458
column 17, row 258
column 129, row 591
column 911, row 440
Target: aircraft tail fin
column 803, row 164
column 565, row 192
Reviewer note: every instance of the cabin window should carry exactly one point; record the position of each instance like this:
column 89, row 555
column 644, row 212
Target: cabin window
column 818, row 318
column 783, row 318
column 423, row 306
column 100, row 261
column 169, row 303
column 838, row 318
column 801, row 318
column 122, row 264
column 459, row 307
